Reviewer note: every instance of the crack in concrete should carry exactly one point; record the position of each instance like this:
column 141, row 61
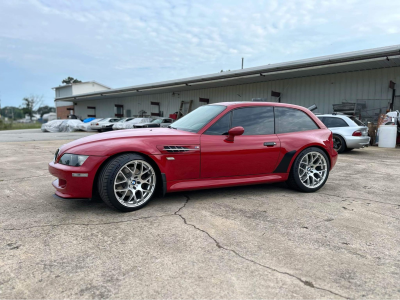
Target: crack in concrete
column 305, row 282
column 365, row 199
column 86, row 224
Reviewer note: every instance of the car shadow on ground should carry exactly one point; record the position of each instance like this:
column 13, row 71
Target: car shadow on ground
column 171, row 201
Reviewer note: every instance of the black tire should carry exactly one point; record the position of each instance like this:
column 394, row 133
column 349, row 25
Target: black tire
column 98, row 130
column 108, row 175
column 339, row 144
column 294, row 180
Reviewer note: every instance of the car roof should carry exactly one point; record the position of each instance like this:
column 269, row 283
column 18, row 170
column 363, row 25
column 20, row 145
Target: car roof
column 256, row 103
column 335, row 116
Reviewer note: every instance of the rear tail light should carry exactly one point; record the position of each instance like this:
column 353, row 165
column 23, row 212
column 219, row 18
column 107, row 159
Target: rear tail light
column 357, row 133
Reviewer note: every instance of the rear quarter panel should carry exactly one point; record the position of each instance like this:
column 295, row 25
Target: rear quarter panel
column 298, row 141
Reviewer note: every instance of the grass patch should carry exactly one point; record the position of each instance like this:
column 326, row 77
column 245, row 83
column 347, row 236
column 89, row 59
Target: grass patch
column 13, row 126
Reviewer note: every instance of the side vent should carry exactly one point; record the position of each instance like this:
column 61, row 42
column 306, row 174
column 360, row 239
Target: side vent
column 175, row 149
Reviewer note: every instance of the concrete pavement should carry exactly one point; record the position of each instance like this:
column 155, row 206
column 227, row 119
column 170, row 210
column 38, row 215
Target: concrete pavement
column 262, row 241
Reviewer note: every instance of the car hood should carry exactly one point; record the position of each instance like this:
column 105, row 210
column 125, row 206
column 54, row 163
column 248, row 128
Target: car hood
column 108, row 138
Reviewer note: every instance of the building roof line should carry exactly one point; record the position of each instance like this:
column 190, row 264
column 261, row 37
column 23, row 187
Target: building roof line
column 322, row 61
column 91, row 81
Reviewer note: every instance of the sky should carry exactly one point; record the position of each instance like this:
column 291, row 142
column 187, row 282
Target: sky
column 124, row 43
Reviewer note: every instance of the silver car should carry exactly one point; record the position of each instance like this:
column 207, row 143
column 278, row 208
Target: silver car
column 348, row 132
column 104, row 124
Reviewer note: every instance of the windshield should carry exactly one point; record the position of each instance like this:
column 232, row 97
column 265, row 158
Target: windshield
column 156, row 121
column 198, row 118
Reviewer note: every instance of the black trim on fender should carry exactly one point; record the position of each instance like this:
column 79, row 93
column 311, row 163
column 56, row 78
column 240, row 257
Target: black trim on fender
column 164, row 184
column 285, row 162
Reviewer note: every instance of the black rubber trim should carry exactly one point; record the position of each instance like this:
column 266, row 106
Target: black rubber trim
column 285, row 162
column 164, row 184
column 61, row 198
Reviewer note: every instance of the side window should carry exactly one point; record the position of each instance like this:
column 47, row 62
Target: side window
column 220, row 127
column 335, row 122
column 292, row 120
column 255, row 120
column 322, row 120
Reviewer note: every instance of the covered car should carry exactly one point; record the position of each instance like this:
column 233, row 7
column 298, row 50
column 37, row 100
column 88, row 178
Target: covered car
column 120, row 123
column 159, row 122
column 70, row 125
column 130, row 124
column 52, row 126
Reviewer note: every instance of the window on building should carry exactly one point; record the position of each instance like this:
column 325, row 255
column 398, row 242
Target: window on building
column 119, row 110
column 92, row 111
column 292, row 120
column 255, row 120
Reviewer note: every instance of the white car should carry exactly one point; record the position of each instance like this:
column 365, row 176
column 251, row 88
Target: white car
column 131, row 123
column 159, row 122
column 86, row 126
column 104, row 124
column 348, row 132
column 120, row 123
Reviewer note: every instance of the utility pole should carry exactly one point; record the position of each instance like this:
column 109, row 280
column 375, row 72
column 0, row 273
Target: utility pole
column 242, row 61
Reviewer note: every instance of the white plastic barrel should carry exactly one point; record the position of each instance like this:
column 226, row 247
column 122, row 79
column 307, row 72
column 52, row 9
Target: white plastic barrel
column 387, row 136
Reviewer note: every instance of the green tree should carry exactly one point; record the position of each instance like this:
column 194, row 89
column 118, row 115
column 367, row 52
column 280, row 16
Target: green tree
column 45, row 110
column 31, row 103
column 70, row 80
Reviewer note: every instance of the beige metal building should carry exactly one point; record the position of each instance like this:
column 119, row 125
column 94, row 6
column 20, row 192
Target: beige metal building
column 366, row 77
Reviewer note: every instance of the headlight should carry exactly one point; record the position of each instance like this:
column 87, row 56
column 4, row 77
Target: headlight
column 73, row 160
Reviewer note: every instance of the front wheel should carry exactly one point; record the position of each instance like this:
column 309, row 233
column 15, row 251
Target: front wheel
column 127, row 182
column 309, row 171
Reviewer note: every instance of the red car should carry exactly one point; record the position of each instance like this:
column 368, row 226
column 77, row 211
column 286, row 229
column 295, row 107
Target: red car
column 217, row 145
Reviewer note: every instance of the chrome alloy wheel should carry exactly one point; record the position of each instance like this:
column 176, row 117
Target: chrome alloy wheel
column 313, row 169
column 135, row 183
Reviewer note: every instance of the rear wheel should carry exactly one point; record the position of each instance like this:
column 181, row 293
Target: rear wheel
column 309, row 171
column 338, row 143
column 127, row 182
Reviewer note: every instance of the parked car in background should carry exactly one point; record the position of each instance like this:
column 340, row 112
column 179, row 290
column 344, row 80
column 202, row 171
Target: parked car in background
column 217, row 145
column 130, row 124
column 52, row 126
column 103, row 124
column 119, row 124
column 348, row 132
column 160, row 122
column 86, row 126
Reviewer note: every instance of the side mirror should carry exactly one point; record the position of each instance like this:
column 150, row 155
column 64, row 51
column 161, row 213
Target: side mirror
column 239, row 130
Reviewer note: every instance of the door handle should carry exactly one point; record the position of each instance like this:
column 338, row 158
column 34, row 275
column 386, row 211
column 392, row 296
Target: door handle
column 269, row 144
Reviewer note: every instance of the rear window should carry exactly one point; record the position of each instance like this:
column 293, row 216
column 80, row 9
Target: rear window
column 332, row 122
column 357, row 121
column 292, row 120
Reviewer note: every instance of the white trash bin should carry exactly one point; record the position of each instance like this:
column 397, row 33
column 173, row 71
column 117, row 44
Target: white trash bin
column 387, row 136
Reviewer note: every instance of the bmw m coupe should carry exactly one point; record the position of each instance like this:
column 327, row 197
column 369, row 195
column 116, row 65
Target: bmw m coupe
column 216, row 145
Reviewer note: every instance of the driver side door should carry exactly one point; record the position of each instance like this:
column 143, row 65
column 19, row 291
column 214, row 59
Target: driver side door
column 255, row 152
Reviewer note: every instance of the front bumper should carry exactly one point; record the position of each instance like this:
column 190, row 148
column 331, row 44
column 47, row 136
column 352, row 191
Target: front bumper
column 357, row 141
column 68, row 186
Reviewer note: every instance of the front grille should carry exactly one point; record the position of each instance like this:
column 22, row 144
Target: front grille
column 175, row 149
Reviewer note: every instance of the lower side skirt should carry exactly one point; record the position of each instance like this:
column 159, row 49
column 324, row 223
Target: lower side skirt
column 209, row 183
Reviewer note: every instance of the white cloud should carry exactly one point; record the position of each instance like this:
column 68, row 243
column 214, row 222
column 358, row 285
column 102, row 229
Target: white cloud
column 131, row 42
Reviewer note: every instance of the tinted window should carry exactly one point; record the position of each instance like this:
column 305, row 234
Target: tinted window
column 292, row 120
column 221, row 126
column 334, row 122
column 254, row 120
